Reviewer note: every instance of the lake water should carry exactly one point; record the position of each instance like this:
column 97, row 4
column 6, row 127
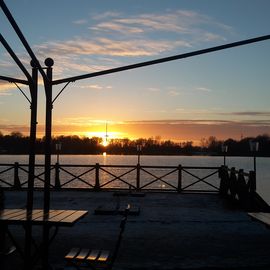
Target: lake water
column 246, row 163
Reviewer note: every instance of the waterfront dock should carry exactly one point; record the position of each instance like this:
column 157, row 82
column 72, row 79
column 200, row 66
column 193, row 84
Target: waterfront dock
column 172, row 231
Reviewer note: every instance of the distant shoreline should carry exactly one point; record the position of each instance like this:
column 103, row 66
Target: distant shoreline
column 131, row 154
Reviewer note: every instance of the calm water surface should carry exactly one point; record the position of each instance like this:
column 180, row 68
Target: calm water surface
column 246, row 163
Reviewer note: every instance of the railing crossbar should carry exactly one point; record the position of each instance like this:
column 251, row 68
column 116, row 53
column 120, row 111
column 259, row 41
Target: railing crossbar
column 6, row 170
column 117, row 177
column 76, row 177
column 200, row 180
column 35, row 176
column 3, row 181
column 158, row 178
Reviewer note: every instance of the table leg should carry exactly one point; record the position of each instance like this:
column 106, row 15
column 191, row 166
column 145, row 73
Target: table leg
column 27, row 248
column 46, row 243
column 2, row 245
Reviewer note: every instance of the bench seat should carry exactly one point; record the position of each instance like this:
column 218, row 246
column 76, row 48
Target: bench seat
column 96, row 258
column 85, row 255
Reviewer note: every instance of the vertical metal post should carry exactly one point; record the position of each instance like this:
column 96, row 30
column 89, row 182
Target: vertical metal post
column 179, row 187
column 224, row 149
column 31, row 175
column 17, row 184
column 48, row 137
column 57, row 184
column 138, row 179
column 32, row 139
column 254, row 164
column 252, row 182
column 97, row 184
column 48, row 134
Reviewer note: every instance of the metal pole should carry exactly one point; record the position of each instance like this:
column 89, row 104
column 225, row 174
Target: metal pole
column 254, row 163
column 48, row 137
column 48, row 134
column 32, row 141
column 31, row 175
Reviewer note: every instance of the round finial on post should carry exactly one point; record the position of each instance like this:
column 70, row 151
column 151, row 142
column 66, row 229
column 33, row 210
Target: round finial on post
column 49, row 62
column 33, row 63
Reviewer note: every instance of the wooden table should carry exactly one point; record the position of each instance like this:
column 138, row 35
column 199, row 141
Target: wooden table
column 53, row 218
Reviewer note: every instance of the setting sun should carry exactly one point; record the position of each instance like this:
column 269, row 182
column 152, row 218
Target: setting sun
column 104, row 142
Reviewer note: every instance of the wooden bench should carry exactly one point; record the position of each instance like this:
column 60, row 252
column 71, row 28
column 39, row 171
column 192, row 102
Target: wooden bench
column 96, row 258
column 262, row 217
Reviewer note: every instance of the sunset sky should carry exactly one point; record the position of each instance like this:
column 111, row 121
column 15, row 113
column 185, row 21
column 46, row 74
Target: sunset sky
column 225, row 94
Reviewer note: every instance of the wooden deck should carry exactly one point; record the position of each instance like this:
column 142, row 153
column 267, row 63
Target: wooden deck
column 172, row 231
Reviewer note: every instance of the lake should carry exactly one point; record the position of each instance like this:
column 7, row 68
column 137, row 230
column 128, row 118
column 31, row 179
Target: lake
column 246, row 163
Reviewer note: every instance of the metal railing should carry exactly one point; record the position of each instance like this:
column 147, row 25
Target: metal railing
column 103, row 177
column 240, row 189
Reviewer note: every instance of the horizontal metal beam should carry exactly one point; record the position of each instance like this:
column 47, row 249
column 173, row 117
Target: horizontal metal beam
column 22, row 38
column 163, row 60
column 13, row 80
column 15, row 58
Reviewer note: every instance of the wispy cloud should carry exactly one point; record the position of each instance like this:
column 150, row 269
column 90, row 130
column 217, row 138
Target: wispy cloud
column 202, row 122
column 114, row 26
column 105, row 15
column 107, row 47
column 203, row 89
column 95, row 86
column 187, row 24
column 4, row 86
column 153, row 89
column 248, row 113
column 173, row 93
column 80, row 21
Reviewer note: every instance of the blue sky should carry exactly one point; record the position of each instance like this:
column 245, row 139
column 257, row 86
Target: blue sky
column 222, row 91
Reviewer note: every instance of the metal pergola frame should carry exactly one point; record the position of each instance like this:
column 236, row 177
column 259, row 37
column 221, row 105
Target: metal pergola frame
column 32, row 82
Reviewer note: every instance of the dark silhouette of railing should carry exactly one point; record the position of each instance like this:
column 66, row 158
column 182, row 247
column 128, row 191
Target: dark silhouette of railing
column 99, row 177
column 239, row 188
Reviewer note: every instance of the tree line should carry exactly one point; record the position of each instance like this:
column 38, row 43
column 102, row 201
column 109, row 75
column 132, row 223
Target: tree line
column 17, row 143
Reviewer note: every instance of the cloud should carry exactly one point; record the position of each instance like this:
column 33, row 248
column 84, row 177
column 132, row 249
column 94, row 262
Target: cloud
column 95, row 86
column 188, row 24
column 5, row 86
column 5, row 93
column 249, row 113
column 115, row 36
column 153, row 89
column 173, row 93
column 203, row 89
column 105, row 15
column 107, row 47
column 80, row 21
column 112, row 26
column 202, row 122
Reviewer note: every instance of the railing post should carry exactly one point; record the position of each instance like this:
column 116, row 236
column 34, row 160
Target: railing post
column 17, row 183
column 233, row 183
column 252, row 182
column 97, row 184
column 242, row 189
column 224, row 180
column 179, row 186
column 57, row 184
column 2, row 198
column 138, row 179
